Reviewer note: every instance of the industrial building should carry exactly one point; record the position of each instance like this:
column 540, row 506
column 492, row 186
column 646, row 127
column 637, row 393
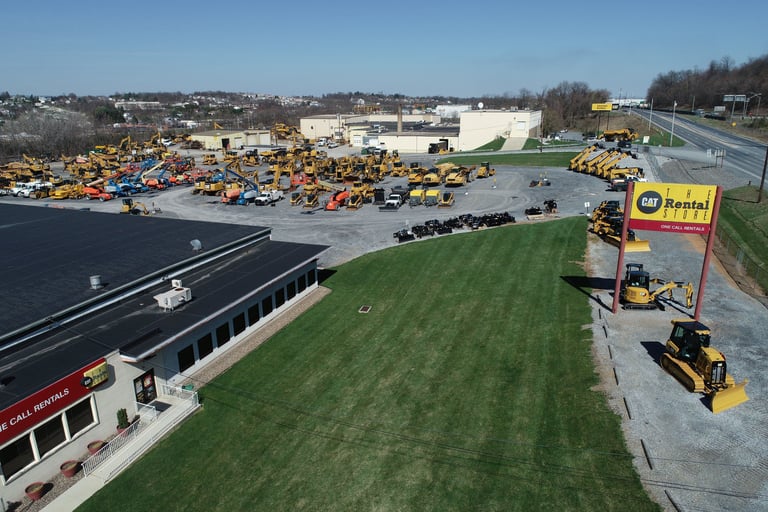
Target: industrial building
column 103, row 312
column 217, row 140
column 479, row 127
column 418, row 133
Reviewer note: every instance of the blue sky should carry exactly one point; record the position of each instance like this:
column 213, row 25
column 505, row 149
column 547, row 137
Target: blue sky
column 416, row 48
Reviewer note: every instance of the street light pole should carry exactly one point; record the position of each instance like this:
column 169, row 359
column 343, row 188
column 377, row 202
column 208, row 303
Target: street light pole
column 672, row 133
column 650, row 116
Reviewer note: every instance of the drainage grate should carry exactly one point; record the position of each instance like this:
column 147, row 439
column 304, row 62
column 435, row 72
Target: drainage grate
column 365, row 309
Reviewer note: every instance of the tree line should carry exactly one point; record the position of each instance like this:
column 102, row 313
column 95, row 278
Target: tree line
column 705, row 88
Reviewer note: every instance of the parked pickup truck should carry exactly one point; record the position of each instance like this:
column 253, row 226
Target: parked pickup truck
column 32, row 189
column 392, row 203
column 268, row 197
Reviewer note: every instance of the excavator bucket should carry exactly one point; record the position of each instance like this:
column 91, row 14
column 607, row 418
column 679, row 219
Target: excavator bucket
column 729, row 397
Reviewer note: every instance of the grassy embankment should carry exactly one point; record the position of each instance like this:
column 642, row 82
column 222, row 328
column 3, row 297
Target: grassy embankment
column 468, row 386
column 746, row 222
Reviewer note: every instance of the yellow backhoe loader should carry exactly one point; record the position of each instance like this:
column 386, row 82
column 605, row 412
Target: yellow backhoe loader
column 701, row 368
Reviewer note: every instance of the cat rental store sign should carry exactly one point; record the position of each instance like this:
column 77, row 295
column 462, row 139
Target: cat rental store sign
column 672, row 207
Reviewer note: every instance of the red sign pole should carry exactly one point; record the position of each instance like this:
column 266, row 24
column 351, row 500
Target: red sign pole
column 620, row 262
column 708, row 252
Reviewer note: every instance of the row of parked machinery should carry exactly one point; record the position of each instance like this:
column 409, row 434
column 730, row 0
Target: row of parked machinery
column 689, row 356
column 608, row 221
column 604, row 163
column 466, row 221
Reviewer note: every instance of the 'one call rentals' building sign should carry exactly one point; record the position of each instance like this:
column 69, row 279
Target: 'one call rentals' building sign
column 54, row 398
column 672, row 207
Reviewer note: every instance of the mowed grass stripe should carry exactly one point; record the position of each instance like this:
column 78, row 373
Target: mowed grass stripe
column 467, row 387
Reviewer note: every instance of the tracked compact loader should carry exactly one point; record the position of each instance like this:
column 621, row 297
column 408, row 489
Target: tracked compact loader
column 700, row 367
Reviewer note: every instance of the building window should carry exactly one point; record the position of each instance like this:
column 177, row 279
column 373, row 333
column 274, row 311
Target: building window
column 279, row 298
column 238, row 323
column 16, row 456
column 186, row 357
column 79, row 417
column 311, row 277
column 291, row 290
column 302, row 283
column 222, row 334
column 205, row 345
column 253, row 314
column 49, row 435
column 266, row 306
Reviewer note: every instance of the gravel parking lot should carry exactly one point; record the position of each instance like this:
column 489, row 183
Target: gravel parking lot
column 688, row 458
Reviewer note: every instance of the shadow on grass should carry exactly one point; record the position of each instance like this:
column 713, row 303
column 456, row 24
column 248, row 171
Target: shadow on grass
column 587, row 285
column 323, row 274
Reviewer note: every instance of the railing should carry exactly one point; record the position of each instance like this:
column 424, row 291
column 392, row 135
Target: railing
column 117, row 442
column 146, row 432
column 184, row 394
column 156, row 434
column 146, row 411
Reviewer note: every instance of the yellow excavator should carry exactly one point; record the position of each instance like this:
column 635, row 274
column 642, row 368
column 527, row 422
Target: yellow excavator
column 636, row 289
column 701, row 368
column 135, row 208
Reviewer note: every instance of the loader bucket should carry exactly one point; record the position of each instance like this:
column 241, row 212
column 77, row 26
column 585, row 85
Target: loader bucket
column 637, row 246
column 729, row 397
column 630, row 245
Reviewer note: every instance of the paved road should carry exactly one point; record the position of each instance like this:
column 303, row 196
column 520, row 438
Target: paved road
column 741, row 158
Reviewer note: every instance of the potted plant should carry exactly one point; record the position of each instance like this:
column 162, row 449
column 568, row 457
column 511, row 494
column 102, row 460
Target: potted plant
column 34, row 491
column 122, row 420
column 95, row 446
column 69, row 468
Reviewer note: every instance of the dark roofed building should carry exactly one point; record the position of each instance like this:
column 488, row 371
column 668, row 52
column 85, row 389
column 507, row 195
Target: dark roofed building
column 105, row 311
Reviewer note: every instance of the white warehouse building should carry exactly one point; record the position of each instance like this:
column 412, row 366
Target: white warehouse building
column 478, row 127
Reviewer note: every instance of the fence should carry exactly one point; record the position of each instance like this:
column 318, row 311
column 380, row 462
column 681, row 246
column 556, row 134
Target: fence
column 755, row 271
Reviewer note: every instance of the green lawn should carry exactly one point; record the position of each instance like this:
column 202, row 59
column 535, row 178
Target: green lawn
column 495, row 145
column 467, row 387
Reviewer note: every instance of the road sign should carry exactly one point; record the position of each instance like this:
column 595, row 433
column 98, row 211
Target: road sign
column 602, row 106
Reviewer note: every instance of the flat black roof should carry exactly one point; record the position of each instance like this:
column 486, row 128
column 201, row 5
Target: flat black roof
column 50, row 253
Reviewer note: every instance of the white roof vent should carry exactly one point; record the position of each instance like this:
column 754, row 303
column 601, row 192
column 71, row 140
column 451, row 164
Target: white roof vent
column 175, row 297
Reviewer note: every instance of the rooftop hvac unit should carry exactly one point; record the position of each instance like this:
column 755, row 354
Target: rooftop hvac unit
column 175, row 297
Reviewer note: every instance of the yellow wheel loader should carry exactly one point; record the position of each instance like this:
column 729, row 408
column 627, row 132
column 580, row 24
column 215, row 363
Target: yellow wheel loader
column 701, row 368
column 636, row 289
